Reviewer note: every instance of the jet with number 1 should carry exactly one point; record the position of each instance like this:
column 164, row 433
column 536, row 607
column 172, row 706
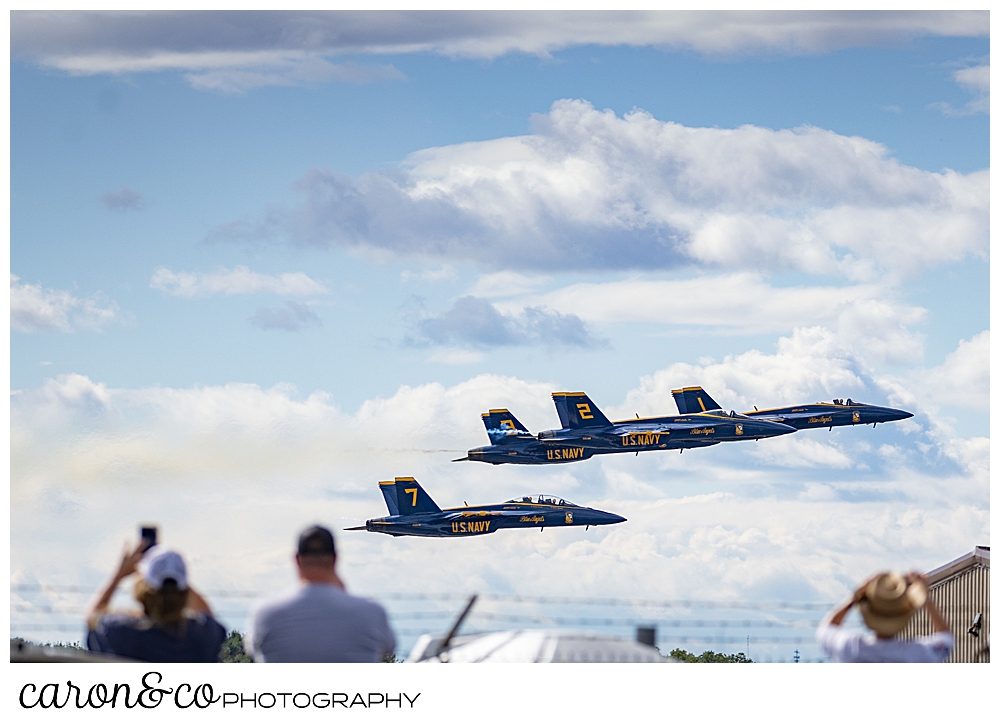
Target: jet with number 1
column 586, row 431
column 839, row 413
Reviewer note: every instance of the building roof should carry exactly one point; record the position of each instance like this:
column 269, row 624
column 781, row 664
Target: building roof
column 979, row 557
column 536, row 646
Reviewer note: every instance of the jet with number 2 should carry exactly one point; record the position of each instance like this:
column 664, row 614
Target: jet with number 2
column 586, row 431
column 412, row 512
column 839, row 413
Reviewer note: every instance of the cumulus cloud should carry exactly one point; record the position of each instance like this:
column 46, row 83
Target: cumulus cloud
column 963, row 379
column 123, row 199
column 976, row 80
column 588, row 190
column 476, row 322
column 34, row 308
column 865, row 314
column 247, row 49
column 811, row 364
column 240, row 280
column 293, row 316
column 726, row 523
column 800, row 451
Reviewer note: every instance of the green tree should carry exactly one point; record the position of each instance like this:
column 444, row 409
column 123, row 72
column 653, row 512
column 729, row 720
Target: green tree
column 70, row 645
column 709, row 656
column 233, row 650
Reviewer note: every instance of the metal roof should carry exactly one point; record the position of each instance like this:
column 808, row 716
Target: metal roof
column 536, row 646
column 980, row 556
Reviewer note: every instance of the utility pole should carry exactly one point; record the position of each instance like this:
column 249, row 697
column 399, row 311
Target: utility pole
column 795, row 658
column 748, row 647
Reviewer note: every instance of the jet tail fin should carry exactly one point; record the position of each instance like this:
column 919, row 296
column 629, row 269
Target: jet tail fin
column 405, row 496
column 501, row 424
column 692, row 400
column 577, row 411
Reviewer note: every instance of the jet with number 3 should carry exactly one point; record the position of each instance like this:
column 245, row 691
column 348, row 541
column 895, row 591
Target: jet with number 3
column 412, row 512
column 586, row 431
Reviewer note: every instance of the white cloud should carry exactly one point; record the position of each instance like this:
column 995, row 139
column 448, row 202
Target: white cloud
column 34, row 308
column 456, row 356
column 743, row 303
column 238, row 50
column 292, row 316
column 591, row 190
column 976, row 80
column 504, row 284
column 963, row 379
column 729, row 522
column 240, row 280
column 810, row 365
column 431, row 276
column 800, row 451
column 476, row 322
column 288, row 70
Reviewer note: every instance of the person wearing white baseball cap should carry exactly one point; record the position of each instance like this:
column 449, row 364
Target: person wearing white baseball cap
column 886, row 602
column 176, row 625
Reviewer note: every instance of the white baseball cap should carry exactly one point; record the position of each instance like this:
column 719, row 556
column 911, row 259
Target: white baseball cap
column 159, row 565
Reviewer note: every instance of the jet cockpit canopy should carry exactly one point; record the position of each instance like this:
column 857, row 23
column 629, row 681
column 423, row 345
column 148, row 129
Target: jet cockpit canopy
column 723, row 413
column 543, row 500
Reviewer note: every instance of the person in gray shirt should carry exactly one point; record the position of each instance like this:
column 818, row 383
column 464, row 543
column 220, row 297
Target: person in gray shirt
column 320, row 623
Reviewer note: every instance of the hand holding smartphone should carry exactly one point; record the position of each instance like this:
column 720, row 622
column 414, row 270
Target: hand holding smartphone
column 148, row 537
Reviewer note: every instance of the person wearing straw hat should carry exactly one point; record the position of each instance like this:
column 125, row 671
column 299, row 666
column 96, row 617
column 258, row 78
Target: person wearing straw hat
column 176, row 624
column 886, row 602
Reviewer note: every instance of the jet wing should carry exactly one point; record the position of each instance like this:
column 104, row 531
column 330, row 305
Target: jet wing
column 655, row 428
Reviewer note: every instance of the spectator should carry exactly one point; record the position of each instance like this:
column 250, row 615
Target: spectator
column 319, row 623
column 886, row 602
column 176, row 625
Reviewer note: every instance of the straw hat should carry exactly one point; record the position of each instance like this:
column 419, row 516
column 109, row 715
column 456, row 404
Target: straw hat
column 888, row 601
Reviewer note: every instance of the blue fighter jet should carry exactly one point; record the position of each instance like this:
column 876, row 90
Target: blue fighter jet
column 839, row 413
column 413, row 512
column 586, row 431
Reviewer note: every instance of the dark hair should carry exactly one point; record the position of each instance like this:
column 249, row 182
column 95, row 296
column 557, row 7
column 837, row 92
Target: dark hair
column 316, row 542
column 164, row 606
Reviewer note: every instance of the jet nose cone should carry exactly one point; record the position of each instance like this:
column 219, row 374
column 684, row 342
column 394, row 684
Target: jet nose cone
column 600, row 517
column 885, row 414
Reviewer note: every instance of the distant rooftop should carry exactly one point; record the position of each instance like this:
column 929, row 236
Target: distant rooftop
column 980, row 556
column 536, row 646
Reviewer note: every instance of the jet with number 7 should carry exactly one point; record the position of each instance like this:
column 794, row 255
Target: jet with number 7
column 586, row 431
column 412, row 512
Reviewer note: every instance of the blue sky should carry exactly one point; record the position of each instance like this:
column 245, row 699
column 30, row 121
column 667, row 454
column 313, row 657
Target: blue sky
column 273, row 269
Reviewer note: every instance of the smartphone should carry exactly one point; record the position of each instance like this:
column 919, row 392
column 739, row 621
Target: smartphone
column 148, row 535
